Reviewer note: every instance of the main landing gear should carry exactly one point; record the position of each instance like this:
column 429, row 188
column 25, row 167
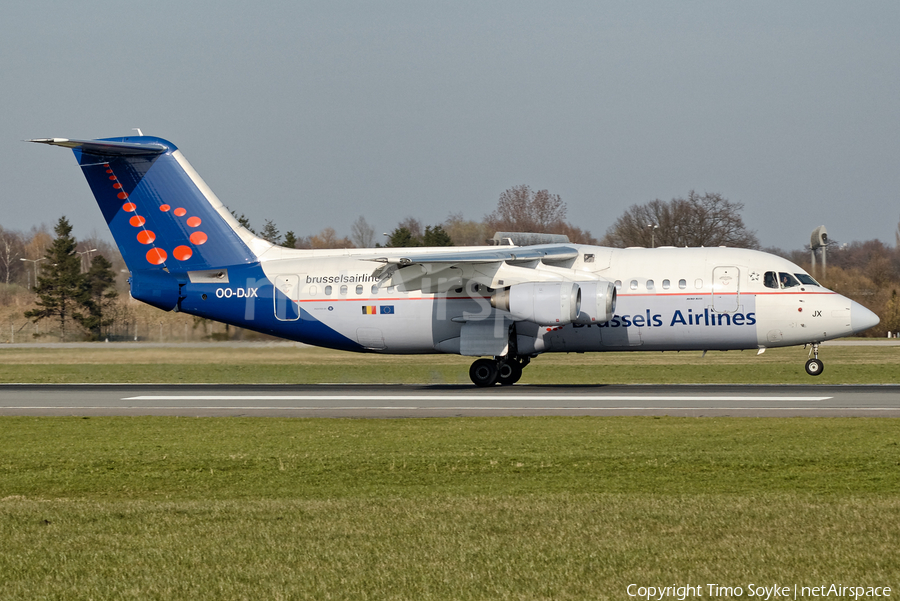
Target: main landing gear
column 814, row 366
column 503, row 370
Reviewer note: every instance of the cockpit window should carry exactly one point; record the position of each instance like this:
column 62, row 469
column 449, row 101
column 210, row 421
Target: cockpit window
column 771, row 279
column 786, row 280
column 807, row 279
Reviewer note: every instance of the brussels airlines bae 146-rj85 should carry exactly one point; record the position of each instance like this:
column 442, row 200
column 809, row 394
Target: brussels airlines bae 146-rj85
column 506, row 304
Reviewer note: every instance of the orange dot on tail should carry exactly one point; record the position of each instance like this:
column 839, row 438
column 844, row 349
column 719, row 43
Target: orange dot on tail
column 117, row 186
column 137, row 221
column 129, row 206
column 179, row 212
column 109, row 170
column 198, row 238
column 146, row 237
column 156, row 256
column 112, row 177
column 182, row 253
column 164, row 208
column 193, row 221
column 122, row 195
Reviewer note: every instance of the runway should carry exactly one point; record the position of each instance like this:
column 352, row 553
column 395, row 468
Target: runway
column 389, row 401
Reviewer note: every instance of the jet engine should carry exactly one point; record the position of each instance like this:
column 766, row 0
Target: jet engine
column 598, row 302
column 544, row 303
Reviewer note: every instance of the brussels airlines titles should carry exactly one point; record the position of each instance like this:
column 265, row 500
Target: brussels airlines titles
column 690, row 318
column 340, row 279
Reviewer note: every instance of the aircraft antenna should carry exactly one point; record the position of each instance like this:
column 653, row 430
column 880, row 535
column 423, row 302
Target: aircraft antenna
column 138, row 130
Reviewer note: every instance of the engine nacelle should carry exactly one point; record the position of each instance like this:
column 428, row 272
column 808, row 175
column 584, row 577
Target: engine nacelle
column 598, row 302
column 544, row 303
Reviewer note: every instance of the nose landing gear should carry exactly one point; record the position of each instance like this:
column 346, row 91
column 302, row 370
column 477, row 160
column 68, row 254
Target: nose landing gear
column 814, row 366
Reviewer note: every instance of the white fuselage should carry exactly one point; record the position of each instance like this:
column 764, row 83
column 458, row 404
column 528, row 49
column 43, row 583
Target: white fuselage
column 668, row 299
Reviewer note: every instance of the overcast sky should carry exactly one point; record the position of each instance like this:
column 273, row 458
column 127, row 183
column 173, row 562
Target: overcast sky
column 313, row 113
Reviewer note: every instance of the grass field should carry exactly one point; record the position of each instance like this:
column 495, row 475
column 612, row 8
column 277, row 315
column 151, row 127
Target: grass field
column 467, row 508
column 122, row 363
column 509, row 508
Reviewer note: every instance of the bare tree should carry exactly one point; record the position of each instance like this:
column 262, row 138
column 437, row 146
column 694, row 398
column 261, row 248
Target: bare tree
column 362, row 234
column 413, row 225
column 708, row 220
column 465, row 233
column 38, row 242
column 521, row 210
column 327, row 238
column 11, row 250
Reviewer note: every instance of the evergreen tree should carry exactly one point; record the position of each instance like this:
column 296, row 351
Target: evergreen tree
column 244, row 221
column 436, row 236
column 270, row 232
column 290, row 240
column 60, row 286
column 402, row 237
column 100, row 294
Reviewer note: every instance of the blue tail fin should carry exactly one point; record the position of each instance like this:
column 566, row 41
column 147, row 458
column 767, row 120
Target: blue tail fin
column 161, row 214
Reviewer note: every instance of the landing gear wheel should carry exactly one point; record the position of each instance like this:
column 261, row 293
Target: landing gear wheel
column 484, row 372
column 509, row 373
column 814, row 367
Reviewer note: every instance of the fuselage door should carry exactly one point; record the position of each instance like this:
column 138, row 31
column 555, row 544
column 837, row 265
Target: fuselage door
column 287, row 297
column 726, row 289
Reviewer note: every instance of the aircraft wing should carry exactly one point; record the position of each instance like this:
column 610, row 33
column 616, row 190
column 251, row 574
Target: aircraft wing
column 513, row 253
column 441, row 271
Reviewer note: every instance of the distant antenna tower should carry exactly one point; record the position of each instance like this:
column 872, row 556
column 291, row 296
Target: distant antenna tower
column 819, row 239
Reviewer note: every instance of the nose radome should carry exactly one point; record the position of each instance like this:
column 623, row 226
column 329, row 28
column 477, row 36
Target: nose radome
column 861, row 318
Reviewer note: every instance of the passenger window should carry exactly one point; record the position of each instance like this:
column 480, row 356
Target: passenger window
column 682, row 284
column 344, row 290
column 374, row 288
column 665, row 284
column 698, row 283
column 328, row 290
column 633, row 285
column 618, row 285
column 649, row 284
column 359, row 289
column 770, row 280
column 786, row 280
